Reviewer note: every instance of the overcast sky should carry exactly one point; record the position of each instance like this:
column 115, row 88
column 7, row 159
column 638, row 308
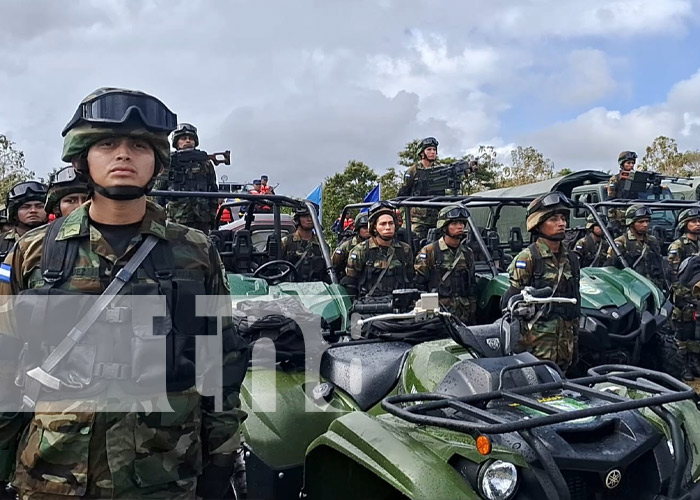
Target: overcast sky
column 296, row 88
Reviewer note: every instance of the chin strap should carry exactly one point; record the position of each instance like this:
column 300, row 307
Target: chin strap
column 121, row 193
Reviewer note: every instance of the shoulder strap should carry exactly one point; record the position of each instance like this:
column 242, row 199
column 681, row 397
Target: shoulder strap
column 439, row 256
column 41, row 375
column 57, row 256
column 537, row 263
column 575, row 265
column 390, row 257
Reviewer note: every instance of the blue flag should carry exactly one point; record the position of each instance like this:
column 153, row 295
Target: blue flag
column 371, row 197
column 315, row 197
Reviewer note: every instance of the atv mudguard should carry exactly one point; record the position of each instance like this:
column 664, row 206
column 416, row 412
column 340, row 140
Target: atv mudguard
column 361, row 456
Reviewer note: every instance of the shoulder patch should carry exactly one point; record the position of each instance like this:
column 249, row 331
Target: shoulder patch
column 339, row 251
column 673, row 251
column 520, row 264
column 5, row 273
column 579, row 247
column 353, row 256
column 423, row 255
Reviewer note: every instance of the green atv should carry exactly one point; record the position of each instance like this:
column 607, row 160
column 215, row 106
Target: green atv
column 472, row 420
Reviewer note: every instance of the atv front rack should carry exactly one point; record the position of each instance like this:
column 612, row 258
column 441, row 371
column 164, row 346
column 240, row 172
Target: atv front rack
column 471, row 415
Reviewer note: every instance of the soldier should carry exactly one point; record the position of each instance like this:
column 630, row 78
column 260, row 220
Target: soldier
column 447, row 267
column 264, row 188
column 72, row 447
column 381, row 264
column 553, row 332
column 422, row 219
column 684, row 306
column 25, row 210
column 592, row 249
column 303, row 249
column 616, row 216
column 66, row 192
column 641, row 250
column 190, row 170
column 257, row 187
column 340, row 256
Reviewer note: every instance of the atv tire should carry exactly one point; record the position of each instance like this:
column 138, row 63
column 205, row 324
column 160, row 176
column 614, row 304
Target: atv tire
column 662, row 354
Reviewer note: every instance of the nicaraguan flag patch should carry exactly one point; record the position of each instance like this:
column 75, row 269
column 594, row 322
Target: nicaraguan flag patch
column 423, row 256
column 520, row 264
column 5, row 273
column 674, row 252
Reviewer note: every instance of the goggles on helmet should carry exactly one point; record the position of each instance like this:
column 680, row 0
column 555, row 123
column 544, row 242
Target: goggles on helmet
column 630, row 155
column 186, row 128
column 117, row 107
column 550, row 200
column 693, row 213
column 381, row 204
column 64, row 176
column 31, row 187
column 429, row 142
column 457, row 213
column 641, row 212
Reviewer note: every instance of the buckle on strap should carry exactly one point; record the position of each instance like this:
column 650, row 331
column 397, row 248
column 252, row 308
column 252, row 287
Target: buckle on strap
column 52, row 276
column 44, row 378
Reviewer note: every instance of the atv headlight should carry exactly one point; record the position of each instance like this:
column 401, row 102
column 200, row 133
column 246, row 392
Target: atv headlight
column 497, row 480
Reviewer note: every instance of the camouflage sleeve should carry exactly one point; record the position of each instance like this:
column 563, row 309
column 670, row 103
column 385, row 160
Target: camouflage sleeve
column 283, row 247
column 340, row 256
column 424, row 263
column 410, row 272
column 612, row 183
column 353, row 270
column 675, row 253
column 408, row 180
column 11, row 422
column 520, row 270
column 221, row 427
column 579, row 247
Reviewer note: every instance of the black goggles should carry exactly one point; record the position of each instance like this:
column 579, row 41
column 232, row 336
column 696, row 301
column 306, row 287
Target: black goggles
column 381, row 204
column 551, row 200
column 642, row 212
column 429, row 142
column 64, row 176
column 631, row 155
column 117, row 107
column 27, row 189
column 693, row 213
column 457, row 213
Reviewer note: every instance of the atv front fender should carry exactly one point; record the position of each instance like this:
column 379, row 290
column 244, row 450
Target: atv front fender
column 363, row 457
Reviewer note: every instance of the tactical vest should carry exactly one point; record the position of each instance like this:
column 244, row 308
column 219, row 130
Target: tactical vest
column 119, row 347
column 458, row 283
column 567, row 288
column 393, row 279
column 5, row 246
column 188, row 171
column 312, row 266
column 593, row 248
column 650, row 265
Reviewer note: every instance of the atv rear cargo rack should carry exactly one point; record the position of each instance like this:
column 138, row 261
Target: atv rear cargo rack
column 471, row 414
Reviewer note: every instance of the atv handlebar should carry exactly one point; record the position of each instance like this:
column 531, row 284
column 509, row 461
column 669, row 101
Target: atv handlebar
column 415, row 314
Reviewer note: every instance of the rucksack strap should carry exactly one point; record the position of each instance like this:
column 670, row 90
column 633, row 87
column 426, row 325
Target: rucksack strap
column 57, row 256
column 537, row 262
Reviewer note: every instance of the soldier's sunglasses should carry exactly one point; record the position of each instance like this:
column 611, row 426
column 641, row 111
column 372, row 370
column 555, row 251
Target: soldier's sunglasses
column 117, row 107
column 31, row 187
column 457, row 213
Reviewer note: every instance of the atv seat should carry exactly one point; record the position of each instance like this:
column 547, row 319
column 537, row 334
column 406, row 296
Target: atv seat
column 222, row 240
column 242, row 250
column 367, row 371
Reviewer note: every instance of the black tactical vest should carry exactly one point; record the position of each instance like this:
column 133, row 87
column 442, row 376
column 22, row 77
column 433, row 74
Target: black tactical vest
column 650, row 265
column 393, row 279
column 312, row 266
column 459, row 282
column 188, row 171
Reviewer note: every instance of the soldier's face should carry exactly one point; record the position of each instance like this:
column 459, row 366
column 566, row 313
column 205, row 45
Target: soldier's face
column 306, row 222
column 554, row 225
column 455, row 229
column 363, row 232
column 185, row 142
column 628, row 165
column 597, row 231
column 693, row 226
column 263, row 181
column 385, row 226
column 32, row 213
column 121, row 161
column 71, row 202
column 430, row 153
column 641, row 226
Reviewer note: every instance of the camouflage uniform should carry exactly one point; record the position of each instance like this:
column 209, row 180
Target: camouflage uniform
column 632, row 248
column 367, row 262
column 554, row 336
column 306, row 256
column 198, row 213
column 591, row 253
column 449, row 272
column 340, row 256
column 684, row 305
column 616, row 216
column 98, row 454
column 7, row 241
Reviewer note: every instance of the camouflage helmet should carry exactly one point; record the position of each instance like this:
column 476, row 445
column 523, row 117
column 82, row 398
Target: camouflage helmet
column 543, row 207
column 377, row 210
column 686, row 216
column 626, row 156
column 591, row 222
column 635, row 213
column 362, row 220
column 185, row 129
column 20, row 193
column 452, row 213
column 61, row 184
column 428, row 142
column 300, row 212
column 109, row 112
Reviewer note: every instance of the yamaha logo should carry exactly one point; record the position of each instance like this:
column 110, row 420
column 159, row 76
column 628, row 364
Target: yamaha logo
column 493, row 342
column 612, row 480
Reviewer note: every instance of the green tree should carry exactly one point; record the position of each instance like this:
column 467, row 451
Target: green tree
column 528, row 165
column 409, row 155
column 662, row 156
column 346, row 187
column 563, row 172
column 390, row 183
column 486, row 175
column 12, row 167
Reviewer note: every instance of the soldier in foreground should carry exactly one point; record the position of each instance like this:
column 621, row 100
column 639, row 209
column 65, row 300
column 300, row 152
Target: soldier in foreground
column 684, row 305
column 66, row 192
column 25, row 211
column 592, row 249
column 303, row 249
column 422, row 219
column 641, row 250
column 378, row 266
column 340, row 256
column 447, row 267
column 190, row 170
column 552, row 333
column 626, row 161
column 75, row 443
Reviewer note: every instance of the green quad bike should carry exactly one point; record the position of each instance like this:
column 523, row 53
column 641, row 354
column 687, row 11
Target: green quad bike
column 471, row 420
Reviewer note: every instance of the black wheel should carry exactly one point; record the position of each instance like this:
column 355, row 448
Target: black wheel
column 662, row 354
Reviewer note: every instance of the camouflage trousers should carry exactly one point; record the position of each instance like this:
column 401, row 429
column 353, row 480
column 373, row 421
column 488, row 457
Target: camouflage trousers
column 554, row 340
column 461, row 307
